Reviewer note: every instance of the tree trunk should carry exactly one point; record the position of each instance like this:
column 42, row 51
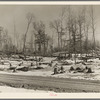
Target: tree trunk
column 24, row 46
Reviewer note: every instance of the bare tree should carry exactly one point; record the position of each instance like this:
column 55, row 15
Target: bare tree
column 56, row 25
column 29, row 20
column 1, row 32
column 93, row 28
column 74, row 34
column 81, row 27
column 62, row 29
column 69, row 28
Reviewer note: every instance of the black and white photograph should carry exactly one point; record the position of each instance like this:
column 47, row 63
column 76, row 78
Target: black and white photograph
column 50, row 48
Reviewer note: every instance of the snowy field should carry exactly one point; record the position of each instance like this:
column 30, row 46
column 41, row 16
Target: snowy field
column 4, row 89
column 47, row 71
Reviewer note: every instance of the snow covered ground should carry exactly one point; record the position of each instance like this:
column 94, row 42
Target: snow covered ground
column 47, row 71
column 4, row 89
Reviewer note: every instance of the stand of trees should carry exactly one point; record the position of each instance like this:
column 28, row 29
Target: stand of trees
column 71, row 28
column 79, row 25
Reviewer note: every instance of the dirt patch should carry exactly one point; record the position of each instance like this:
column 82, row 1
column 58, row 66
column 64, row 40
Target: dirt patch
column 46, row 88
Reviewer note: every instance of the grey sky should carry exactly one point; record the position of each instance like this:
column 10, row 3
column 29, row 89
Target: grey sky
column 44, row 13
column 8, row 13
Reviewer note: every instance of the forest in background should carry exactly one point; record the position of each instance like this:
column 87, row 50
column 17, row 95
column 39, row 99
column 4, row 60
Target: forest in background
column 73, row 31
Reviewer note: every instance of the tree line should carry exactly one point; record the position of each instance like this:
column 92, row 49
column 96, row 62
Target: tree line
column 72, row 29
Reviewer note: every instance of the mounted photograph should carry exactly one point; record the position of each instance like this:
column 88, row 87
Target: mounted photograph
column 49, row 48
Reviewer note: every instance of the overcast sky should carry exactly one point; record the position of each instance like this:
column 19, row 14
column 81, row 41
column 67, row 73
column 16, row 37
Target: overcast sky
column 9, row 13
column 44, row 13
